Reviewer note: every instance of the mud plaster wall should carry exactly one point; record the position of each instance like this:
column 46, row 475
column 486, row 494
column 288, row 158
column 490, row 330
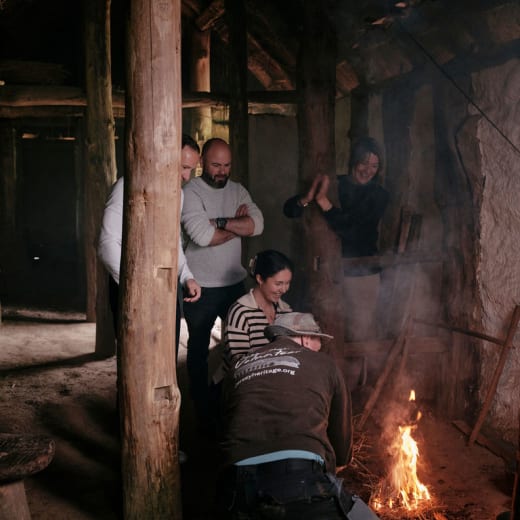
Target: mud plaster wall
column 425, row 296
column 411, row 187
column 273, row 174
column 497, row 93
column 420, row 199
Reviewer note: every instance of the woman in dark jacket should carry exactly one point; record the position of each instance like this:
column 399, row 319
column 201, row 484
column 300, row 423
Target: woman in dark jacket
column 362, row 204
column 362, row 199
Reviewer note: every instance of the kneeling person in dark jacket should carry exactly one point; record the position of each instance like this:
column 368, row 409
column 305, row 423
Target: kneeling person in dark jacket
column 287, row 426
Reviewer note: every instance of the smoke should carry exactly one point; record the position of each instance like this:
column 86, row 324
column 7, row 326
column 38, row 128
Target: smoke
column 397, row 410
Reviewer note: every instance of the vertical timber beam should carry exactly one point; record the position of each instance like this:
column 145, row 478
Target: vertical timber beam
column 201, row 126
column 7, row 200
column 148, row 391
column 397, row 282
column 316, row 98
column 238, row 114
column 100, row 164
column 7, row 182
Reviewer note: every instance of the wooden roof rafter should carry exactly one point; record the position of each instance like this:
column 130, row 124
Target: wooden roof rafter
column 269, row 72
column 267, row 26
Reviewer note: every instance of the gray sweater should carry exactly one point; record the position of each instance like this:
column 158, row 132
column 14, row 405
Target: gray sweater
column 220, row 265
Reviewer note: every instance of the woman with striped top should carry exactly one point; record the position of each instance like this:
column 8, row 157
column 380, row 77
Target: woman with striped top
column 252, row 313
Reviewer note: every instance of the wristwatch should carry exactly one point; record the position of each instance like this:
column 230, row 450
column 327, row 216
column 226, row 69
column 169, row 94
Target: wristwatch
column 221, row 222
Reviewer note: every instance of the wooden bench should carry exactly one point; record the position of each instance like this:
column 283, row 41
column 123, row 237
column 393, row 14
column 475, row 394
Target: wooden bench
column 20, row 457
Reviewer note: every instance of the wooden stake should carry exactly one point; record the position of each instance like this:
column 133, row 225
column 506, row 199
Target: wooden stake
column 404, row 358
column 399, row 347
column 467, row 332
column 396, row 349
column 496, row 376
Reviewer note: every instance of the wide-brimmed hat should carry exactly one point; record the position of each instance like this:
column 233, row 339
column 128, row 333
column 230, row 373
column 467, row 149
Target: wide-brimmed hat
column 294, row 324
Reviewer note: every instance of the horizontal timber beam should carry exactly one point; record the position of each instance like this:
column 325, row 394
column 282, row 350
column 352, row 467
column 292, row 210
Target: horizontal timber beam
column 27, row 101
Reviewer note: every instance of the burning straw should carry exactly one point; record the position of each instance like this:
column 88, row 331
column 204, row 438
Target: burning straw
column 401, row 494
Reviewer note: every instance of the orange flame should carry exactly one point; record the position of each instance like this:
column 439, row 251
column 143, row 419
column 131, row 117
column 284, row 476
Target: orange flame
column 402, row 486
column 404, row 472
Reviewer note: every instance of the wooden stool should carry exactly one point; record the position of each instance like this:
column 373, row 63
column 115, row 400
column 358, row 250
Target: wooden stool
column 20, row 456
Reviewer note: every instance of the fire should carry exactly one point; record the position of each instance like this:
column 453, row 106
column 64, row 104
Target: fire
column 402, row 487
column 404, row 473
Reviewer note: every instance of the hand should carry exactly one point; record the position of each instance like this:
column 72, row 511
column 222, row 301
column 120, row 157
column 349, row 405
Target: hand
column 242, row 211
column 309, row 196
column 323, row 187
column 321, row 197
column 192, row 290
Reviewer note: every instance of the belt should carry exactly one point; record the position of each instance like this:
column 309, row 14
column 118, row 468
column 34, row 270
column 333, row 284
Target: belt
column 284, row 467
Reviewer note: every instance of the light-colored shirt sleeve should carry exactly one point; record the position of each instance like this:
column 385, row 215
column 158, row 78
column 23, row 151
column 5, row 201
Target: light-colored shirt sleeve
column 110, row 236
column 182, row 265
column 182, row 268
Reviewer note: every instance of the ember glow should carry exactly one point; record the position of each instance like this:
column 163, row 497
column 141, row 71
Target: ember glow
column 402, row 489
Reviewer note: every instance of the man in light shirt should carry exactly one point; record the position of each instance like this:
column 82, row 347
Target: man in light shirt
column 110, row 238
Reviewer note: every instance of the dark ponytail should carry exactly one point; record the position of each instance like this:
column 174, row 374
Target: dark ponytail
column 269, row 262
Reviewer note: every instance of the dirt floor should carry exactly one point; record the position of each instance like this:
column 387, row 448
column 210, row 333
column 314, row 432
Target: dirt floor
column 51, row 383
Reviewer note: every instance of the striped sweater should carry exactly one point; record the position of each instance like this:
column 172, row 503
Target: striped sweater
column 245, row 325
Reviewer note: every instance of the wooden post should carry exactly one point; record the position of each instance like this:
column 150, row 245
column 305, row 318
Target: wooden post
column 317, row 87
column 399, row 347
column 8, row 255
column 200, row 82
column 238, row 107
column 149, row 395
column 100, row 164
column 398, row 111
column 8, row 180
column 513, row 325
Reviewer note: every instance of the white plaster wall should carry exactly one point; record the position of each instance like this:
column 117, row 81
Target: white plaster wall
column 497, row 93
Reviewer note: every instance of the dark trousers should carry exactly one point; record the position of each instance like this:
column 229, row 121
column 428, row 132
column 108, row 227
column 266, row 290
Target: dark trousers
column 292, row 489
column 200, row 317
column 113, row 297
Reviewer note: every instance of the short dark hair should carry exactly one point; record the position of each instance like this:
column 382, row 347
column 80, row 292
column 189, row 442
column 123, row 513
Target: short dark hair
column 209, row 143
column 269, row 262
column 187, row 140
column 361, row 148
